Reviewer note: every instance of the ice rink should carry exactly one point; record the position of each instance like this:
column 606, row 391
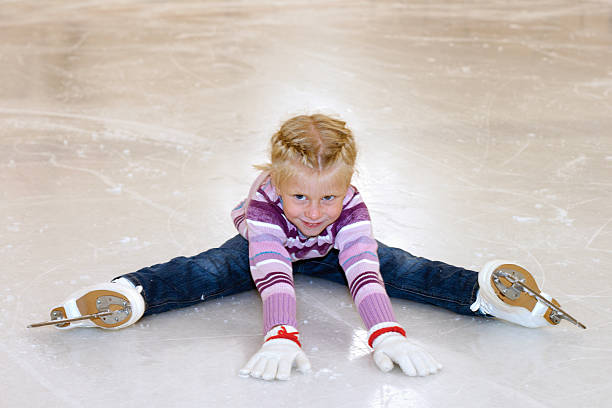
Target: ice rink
column 128, row 131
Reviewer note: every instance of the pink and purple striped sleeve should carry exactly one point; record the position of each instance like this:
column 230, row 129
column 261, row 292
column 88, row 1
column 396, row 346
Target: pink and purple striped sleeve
column 359, row 260
column 270, row 263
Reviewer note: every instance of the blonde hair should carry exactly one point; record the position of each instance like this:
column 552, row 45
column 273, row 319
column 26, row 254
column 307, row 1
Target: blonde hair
column 317, row 142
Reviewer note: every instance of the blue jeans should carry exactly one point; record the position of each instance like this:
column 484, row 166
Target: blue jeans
column 225, row 271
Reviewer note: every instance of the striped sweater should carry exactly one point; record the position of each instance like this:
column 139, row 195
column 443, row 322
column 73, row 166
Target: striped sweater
column 274, row 243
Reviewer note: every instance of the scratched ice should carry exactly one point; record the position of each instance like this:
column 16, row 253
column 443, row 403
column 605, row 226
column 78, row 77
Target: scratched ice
column 127, row 130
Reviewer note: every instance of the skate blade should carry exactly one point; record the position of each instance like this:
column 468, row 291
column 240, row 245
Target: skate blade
column 66, row 322
column 105, row 309
column 517, row 287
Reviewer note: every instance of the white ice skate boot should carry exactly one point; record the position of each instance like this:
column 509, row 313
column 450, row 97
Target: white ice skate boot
column 111, row 305
column 509, row 292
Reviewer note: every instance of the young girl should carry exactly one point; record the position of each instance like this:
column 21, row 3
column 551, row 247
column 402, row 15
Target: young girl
column 302, row 215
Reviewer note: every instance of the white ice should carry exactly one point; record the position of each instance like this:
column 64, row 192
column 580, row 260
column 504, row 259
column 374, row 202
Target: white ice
column 127, row 134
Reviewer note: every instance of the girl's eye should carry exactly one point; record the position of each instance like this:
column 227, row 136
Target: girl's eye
column 328, row 198
column 299, row 197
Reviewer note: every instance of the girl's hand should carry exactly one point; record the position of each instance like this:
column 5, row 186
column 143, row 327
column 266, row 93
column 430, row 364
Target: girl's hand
column 392, row 348
column 388, row 339
column 280, row 352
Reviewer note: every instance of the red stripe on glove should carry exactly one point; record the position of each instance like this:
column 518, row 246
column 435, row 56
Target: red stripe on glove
column 283, row 334
column 377, row 333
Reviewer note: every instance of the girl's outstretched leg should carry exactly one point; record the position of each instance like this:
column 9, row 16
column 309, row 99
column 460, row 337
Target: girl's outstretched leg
column 179, row 283
column 502, row 289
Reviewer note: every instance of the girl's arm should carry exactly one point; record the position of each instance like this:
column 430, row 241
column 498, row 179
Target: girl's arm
column 359, row 258
column 272, row 272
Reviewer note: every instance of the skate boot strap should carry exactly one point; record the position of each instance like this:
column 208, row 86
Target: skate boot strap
column 72, row 309
column 540, row 308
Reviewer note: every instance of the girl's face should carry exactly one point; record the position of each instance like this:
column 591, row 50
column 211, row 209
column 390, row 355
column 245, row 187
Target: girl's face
column 313, row 200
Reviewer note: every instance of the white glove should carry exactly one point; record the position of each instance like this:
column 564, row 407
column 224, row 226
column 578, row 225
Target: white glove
column 279, row 353
column 393, row 347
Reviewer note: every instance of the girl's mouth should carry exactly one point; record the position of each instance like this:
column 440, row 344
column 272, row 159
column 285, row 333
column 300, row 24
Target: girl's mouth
column 312, row 225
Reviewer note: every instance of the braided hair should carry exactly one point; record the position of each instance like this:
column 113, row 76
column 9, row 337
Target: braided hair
column 317, row 142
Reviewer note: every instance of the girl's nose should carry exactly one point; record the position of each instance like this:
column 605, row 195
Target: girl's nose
column 313, row 212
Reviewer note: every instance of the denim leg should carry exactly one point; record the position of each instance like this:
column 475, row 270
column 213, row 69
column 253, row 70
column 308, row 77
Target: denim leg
column 408, row 277
column 419, row 279
column 185, row 281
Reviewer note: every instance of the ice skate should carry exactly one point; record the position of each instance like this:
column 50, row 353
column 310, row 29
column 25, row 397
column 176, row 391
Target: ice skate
column 112, row 305
column 510, row 292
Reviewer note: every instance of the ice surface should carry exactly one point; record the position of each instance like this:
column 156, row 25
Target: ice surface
column 127, row 131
